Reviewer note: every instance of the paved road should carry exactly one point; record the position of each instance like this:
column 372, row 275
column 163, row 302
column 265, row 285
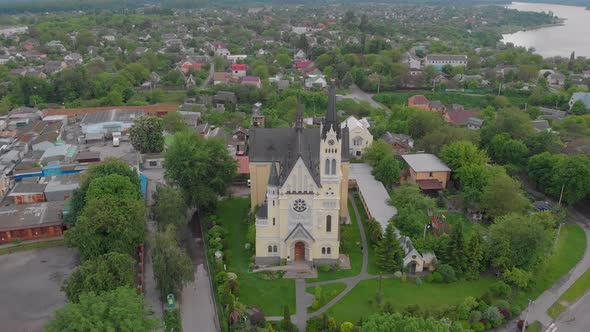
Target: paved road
column 358, row 94
column 197, row 305
column 574, row 320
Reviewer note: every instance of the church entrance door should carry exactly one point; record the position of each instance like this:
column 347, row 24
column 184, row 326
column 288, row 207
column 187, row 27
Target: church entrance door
column 299, row 252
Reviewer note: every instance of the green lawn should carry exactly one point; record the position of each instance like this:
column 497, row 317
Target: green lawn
column 534, row 327
column 351, row 240
column 568, row 251
column 361, row 301
column 571, row 295
column 270, row 296
column 454, row 218
column 31, row 246
column 328, row 292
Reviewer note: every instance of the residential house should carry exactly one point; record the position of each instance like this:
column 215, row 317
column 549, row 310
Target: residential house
column 174, row 43
column 412, row 61
column 4, row 59
column 189, row 82
column 221, row 78
column 299, row 56
column 475, row 123
column 222, row 52
column 400, row 143
column 427, row 171
column 439, row 60
column 556, row 79
column 457, row 115
column 359, row 136
column 56, row 45
column 34, row 55
column 437, row 106
column 502, row 70
column 238, row 70
column 305, row 67
column 190, row 63
column 235, row 58
column 252, row 80
column 584, row 97
column 222, row 98
column 419, row 101
column 257, row 116
column 12, row 30
column 53, row 67
column 551, row 114
column 109, row 38
column 316, row 81
column 73, row 59
column 140, row 50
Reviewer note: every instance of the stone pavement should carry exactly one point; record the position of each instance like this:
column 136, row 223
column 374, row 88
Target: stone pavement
column 198, row 310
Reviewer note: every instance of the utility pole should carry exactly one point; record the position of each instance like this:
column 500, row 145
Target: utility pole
column 558, row 232
column 561, row 194
column 527, row 315
column 380, row 288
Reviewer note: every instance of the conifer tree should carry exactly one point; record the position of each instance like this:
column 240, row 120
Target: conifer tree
column 389, row 252
column 474, row 255
column 457, row 258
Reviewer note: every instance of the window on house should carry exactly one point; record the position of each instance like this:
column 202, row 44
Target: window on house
column 430, row 174
column 323, row 250
column 328, row 224
column 329, row 250
column 273, row 221
column 275, row 249
column 333, row 166
column 327, row 167
column 269, row 248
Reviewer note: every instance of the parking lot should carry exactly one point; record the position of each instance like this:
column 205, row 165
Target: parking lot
column 30, row 283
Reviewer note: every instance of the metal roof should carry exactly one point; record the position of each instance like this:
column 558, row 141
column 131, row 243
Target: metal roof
column 425, row 162
column 23, row 216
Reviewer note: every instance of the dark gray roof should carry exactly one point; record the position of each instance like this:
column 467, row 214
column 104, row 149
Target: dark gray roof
column 273, row 178
column 262, row 212
column 28, row 188
column 29, row 215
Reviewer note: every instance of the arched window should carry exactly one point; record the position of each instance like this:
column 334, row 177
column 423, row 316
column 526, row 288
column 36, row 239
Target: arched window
column 275, row 249
column 323, row 250
column 273, row 202
column 329, row 250
column 333, row 166
column 269, row 248
column 327, row 168
column 328, row 223
column 273, row 221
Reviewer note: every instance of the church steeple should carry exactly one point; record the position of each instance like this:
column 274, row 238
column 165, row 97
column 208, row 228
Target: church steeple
column 299, row 115
column 331, row 119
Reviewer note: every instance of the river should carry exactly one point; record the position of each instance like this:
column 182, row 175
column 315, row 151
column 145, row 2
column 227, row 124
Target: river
column 573, row 35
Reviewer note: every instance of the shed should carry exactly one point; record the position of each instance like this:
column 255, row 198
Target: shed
column 26, row 193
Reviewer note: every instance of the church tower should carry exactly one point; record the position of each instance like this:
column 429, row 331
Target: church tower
column 331, row 143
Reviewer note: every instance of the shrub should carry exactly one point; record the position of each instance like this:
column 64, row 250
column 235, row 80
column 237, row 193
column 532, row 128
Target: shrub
column 500, row 289
column 397, row 274
column 515, row 310
column 492, row 314
column 517, row 277
column 475, row 316
column 172, row 321
column 404, row 277
column 325, row 268
column 447, row 272
column 257, row 318
column 221, row 278
column 437, row 277
column 506, row 313
column 428, row 278
column 502, row 304
column 477, row 327
column 418, row 281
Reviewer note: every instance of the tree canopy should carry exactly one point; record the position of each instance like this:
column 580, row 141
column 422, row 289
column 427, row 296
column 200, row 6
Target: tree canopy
column 146, row 134
column 121, row 309
column 399, row 323
column 172, row 266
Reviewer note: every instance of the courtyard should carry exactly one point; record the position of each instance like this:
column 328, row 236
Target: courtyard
column 30, row 283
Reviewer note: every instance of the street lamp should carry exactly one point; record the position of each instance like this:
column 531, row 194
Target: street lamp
column 526, row 316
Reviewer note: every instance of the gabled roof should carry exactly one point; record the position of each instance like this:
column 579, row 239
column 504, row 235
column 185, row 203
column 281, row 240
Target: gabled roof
column 239, row 66
column 425, row 162
column 299, row 232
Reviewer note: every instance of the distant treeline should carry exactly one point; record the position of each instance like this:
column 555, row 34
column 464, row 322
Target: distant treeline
column 36, row 6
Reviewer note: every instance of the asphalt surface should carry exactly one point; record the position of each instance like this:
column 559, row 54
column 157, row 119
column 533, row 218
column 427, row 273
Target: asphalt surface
column 30, row 283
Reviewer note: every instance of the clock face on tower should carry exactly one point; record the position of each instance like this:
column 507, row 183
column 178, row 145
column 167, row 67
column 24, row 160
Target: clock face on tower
column 331, row 142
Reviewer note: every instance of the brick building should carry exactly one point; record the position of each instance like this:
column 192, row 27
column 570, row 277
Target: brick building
column 31, row 221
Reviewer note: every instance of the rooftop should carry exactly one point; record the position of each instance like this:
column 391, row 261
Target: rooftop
column 374, row 193
column 22, row 188
column 425, row 162
column 22, row 216
column 112, row 115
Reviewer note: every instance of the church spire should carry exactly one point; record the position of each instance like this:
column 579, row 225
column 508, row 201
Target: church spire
column 299, row 114
column 331, row 119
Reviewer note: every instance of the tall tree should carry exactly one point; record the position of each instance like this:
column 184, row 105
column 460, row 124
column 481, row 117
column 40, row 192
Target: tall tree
column 502, row 196
column 463, row 153
column 172, row 267
column 169, row 207
column 387, row 170
column 108, row 224
column 173, row 122
column 146, row 134
column 115, row 185
column 201, row 168
column 458, row 259
column 474, row 253
column 389, row 251
column 121, row 309
column 101, row 274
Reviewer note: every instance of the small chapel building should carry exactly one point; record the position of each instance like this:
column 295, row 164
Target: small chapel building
column 299, row 186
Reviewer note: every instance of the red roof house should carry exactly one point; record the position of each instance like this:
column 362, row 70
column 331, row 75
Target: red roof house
column 419, row 101
column 459, row 116
column 238, row 69
column 252, row 80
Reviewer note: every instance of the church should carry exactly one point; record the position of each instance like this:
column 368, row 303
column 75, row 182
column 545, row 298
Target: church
column 299, row 186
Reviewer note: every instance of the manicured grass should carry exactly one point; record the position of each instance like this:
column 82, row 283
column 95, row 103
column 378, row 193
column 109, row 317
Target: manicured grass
column 372, row 265
column 328, row 292
column 568, row 251
column 269, row 295
column 534, row 327
column 361, row 301
column 351, row 239
column 571, row 295
column 31, row 246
